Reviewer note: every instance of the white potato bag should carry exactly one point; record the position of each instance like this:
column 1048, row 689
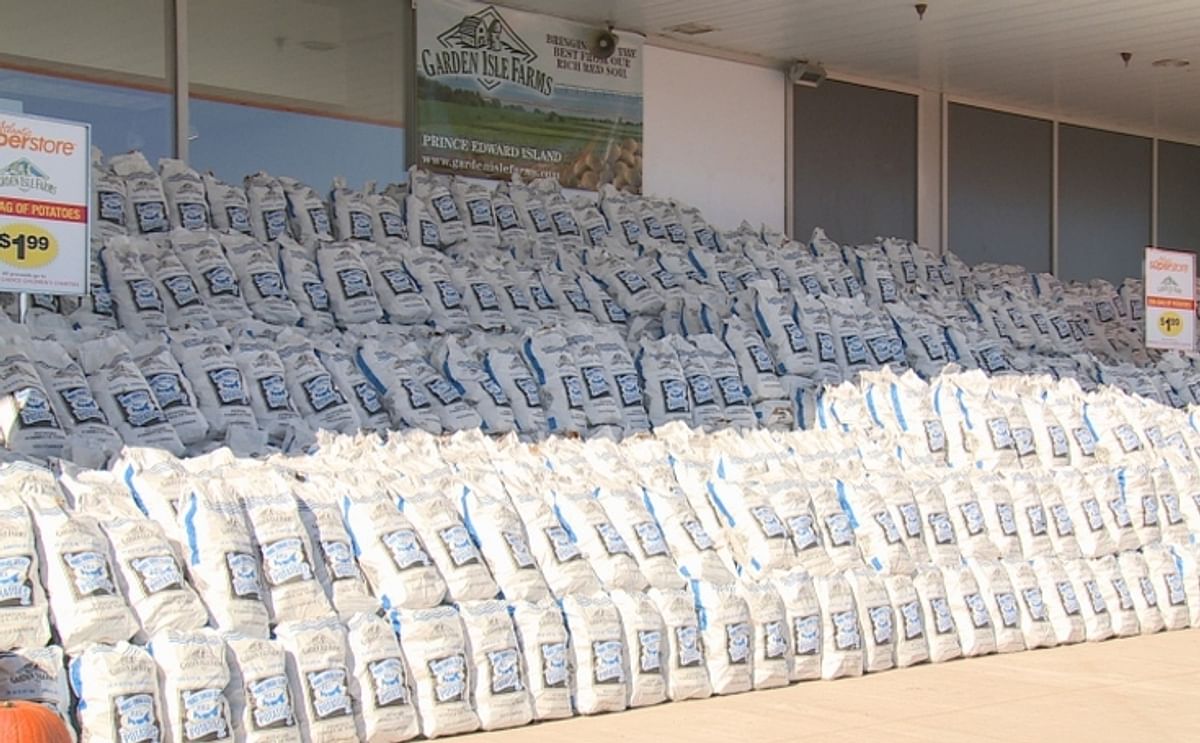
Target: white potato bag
column 379, row 682
column 543, row 638
column 318, row 673
column 118, row 692
column 499, row 689
column 436, row 649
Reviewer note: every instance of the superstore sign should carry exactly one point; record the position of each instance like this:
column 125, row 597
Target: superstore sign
column 1170, row 299
column 44, row 194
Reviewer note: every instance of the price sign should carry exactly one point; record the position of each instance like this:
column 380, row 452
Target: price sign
column 45, row 187
column 1170, row 299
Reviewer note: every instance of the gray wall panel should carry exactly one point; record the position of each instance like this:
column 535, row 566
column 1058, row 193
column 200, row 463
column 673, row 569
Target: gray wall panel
column 1104, row 203
column 855, row 162
column 1178, row 196
column 1000, row 187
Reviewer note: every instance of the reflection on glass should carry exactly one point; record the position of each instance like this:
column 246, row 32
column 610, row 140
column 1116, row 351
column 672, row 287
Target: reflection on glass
column 126, row 39
column 233, row 140
column 303, row 88
column 122, row 118
column 99, row 62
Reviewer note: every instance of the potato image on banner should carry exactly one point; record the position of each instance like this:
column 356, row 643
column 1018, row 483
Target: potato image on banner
column 612, row 153
column 618, row 163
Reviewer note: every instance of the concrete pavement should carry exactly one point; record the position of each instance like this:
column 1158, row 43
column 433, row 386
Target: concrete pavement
column 1136, row 689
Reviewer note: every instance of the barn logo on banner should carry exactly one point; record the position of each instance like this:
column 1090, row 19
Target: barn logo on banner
column 503, row 92
column 485, row 45
column 1170, row 299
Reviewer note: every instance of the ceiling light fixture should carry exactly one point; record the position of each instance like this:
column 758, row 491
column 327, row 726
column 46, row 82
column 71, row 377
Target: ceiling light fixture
column 1171, row 62
column 691, row 28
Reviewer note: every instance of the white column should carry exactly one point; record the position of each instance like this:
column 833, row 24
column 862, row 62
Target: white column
column 931, row 230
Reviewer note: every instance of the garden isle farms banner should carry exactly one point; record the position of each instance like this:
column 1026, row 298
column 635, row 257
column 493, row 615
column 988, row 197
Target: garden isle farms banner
column 501, row 91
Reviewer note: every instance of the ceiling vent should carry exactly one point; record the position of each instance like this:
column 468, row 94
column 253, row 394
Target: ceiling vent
column 691, row 28
column 315, row 45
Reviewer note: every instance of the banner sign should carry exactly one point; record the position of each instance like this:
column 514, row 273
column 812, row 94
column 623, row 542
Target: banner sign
column 1170, row 299
column 502, row 91
column 45, row 167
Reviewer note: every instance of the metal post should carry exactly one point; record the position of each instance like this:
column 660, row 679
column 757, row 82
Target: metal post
column 177, row 72
column 23, row 307
column 1154, row 192
column 943, row 139
column 411, row 134
column 1055, row 267
column 789, row 158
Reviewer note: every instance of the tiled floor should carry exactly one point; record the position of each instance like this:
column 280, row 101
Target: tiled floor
column 1138, row 689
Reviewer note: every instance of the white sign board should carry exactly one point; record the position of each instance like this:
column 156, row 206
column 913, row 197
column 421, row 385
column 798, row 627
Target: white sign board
column 503, row 92
column 45, row 171
column 1170, row 299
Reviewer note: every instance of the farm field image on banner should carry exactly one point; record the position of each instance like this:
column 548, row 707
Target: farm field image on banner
column 500, row 91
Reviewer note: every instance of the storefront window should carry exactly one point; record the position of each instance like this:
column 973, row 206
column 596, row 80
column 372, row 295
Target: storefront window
column 99, row 62
column 311, row 89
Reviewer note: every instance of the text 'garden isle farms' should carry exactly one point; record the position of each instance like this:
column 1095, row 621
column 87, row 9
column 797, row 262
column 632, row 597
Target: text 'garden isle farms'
column 482, row 64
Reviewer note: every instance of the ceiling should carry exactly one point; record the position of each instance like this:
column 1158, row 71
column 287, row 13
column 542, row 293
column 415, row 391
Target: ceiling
column 1058, row 57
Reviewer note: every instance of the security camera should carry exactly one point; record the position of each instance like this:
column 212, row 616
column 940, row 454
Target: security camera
column 603, row 44
column 807, row 74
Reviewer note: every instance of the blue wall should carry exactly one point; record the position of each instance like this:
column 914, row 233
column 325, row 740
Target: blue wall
column 230, row 139
column 122, row 119
column 234, row 140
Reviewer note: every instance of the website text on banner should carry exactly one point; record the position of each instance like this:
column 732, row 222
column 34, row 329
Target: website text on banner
column 500, row 91
column 44, row 172
column 1170, row 299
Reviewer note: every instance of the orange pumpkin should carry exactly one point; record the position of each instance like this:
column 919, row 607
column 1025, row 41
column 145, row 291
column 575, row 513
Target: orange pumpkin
column 30, row 722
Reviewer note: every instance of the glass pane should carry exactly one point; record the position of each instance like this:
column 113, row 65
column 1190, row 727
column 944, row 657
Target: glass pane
column 99, row 62
column 1103, row 203
column 315, row 89
column 1178, row 195
column 1000, row 187
column 856, row 162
